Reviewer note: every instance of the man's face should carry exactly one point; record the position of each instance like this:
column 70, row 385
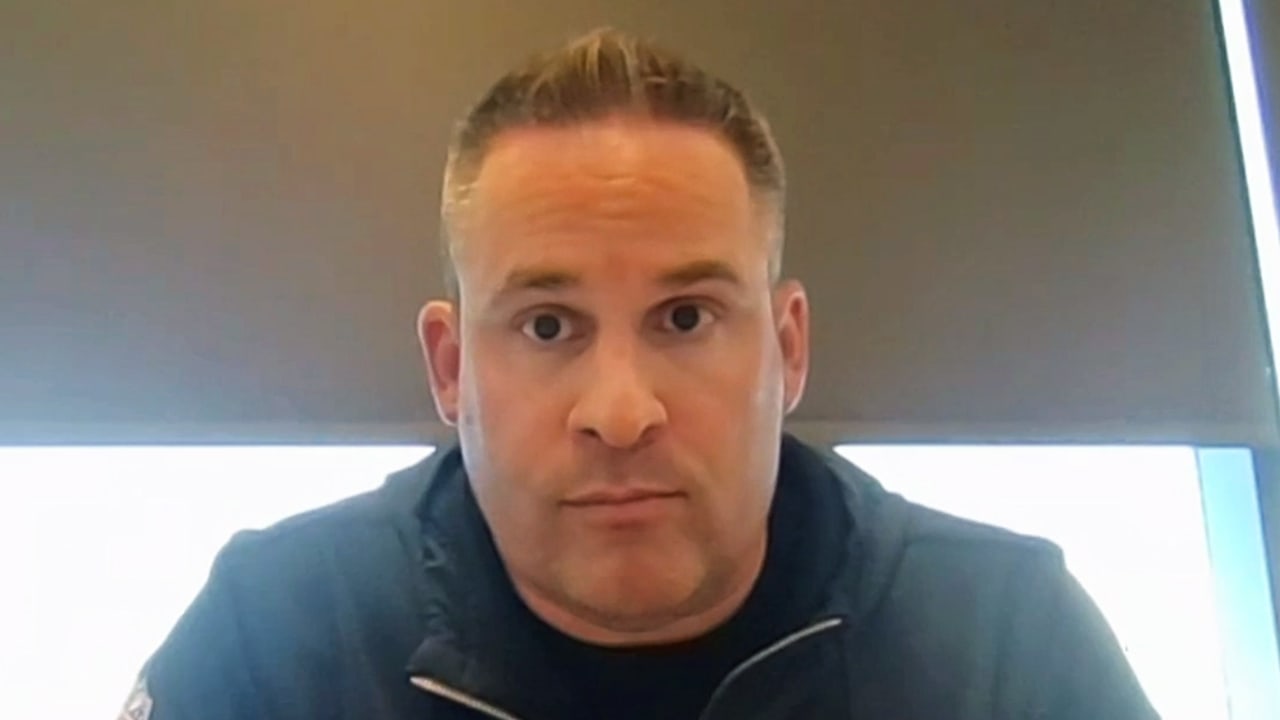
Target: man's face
column 618, row 369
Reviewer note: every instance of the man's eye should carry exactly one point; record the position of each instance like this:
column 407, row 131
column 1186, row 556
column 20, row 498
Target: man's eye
column 685, row 318
column 546, row 327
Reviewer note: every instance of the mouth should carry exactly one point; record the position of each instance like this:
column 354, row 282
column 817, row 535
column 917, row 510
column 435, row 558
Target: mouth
column 619, row 496
column 618, row 508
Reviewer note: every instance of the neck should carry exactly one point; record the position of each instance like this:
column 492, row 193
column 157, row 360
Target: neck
column 674, row 628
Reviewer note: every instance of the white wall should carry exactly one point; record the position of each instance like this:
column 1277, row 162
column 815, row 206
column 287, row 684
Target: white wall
column 103, row 547
column 1129, row 522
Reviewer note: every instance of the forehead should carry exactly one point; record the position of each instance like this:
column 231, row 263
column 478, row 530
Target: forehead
column 619, row 190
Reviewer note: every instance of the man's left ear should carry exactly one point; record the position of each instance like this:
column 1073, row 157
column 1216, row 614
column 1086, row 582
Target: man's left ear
column 791, row 321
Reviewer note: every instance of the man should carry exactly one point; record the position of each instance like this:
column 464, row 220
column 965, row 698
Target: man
column 624, row 530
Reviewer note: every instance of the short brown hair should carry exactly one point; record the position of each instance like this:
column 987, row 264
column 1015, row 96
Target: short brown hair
column 602, row 73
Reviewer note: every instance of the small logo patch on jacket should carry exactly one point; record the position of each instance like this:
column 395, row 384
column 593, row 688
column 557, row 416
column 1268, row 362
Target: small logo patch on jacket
column 138, row 706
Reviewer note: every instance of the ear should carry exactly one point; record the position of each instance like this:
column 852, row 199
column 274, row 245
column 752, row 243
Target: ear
column 791, row 320
column 441, row 341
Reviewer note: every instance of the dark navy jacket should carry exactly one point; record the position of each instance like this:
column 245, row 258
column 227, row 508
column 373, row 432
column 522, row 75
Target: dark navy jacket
column 383, row 607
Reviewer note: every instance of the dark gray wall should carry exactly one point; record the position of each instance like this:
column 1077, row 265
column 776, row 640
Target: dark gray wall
column 1018, row 220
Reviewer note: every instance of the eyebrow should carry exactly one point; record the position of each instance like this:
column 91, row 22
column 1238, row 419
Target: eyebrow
column 538, row 279
column 548, row 279
column 699, row 271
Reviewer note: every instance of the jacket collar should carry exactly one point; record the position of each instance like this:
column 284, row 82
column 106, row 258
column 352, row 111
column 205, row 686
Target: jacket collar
column 478, row 639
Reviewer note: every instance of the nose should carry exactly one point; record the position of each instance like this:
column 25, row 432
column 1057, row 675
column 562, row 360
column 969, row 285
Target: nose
column 617, row 404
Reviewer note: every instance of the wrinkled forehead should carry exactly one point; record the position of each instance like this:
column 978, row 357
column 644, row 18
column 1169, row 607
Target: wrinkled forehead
column 636, row 192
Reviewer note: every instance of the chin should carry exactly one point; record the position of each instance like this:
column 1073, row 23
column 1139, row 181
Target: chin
column 633, row 594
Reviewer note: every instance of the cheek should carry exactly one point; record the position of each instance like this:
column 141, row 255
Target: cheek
column 499, row 387
column 510, row 416
column 727, row 408
column 512, row 473
column 735, row 381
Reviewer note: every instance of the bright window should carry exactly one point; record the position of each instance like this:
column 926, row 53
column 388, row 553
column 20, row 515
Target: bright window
column 104, row 547
column 1129, row 521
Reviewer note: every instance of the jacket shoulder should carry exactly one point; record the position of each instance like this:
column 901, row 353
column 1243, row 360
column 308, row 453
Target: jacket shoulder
column 329, row 593
column 393, row 502
column 930, row 529
column 924, row 564
column 336, row 563
column 987, row 622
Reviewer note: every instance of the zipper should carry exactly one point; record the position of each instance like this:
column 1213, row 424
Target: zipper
column 438, row 688
column 765, row 654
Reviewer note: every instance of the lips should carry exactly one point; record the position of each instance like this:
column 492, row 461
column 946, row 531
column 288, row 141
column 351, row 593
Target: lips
column 618, row 496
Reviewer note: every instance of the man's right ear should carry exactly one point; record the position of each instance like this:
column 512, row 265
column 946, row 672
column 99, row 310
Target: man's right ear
column 441, row 341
